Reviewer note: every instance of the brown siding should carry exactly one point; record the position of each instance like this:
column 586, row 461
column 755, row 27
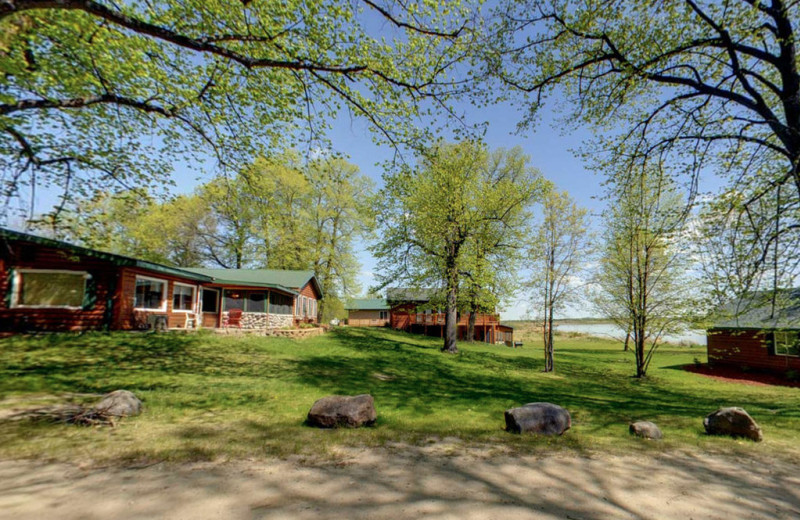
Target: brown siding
column 309, row 291
column 25, row 255
column 746, row 348
column 366, row 318
column 404, row 317
column 127, row 318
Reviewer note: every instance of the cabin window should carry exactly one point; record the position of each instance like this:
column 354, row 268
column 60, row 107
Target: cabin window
column 183, row 297
column 384, row 315
column 256, row 302
column 280, row 303
column 210, row 300
column 787, row 343
column 50, row 288
column 150, row 294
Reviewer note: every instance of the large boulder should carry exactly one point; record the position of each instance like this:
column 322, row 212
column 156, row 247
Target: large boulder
column 343, row 410
column 119, row 403
column 734, row 422
column 646, row 430
column 541, row 418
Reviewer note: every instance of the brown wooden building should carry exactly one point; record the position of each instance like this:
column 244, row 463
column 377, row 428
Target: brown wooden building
column 413, row 311
column 49, row 285
column 751, row 335
column 367, row 312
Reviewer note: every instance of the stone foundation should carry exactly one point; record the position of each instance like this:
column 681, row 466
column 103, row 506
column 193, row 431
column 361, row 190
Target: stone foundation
column 261, row 320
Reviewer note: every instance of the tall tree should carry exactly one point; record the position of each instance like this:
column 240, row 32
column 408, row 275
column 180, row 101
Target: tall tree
column 339, row 215
column 699, row 85
column 494, row 254
column 97, row 92
column 428, row 216
column 228, row 236
column 641, row 269
column 279, row 195
column 560, row 245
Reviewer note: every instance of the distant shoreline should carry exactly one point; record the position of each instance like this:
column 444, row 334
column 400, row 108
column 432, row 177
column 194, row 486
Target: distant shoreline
column 569, row 321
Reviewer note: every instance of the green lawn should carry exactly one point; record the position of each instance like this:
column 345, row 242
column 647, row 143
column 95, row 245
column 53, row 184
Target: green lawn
column 210, row 396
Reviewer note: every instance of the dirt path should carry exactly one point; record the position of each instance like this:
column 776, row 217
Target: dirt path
column 410, row 483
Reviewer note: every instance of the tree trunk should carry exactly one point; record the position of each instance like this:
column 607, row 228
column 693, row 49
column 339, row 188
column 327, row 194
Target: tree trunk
column 640, row 370
column 548, row 339
column 450, row 323
column 627, row 339
column 471, row 324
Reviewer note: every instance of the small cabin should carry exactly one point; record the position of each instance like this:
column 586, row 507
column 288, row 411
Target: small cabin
column 416, row 311
column 51, row 285
column 367, row 312
column 754, row 333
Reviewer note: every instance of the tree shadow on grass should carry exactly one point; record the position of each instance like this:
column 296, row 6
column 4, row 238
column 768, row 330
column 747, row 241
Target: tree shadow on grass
column 101, row 362
column 430, row 384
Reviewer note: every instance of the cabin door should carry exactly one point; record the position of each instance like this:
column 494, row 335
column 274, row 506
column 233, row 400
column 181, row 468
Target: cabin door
column 209, row 303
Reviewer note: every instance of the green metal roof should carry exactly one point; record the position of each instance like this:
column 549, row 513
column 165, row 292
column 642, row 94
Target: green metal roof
column 258, row 277
column 116, row 259
column 754, row 311
column 367, row 304
column 285, row 280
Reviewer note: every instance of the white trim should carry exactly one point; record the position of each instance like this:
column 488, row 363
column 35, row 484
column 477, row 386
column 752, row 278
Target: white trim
column 163, row 307
column 16, row 286
column 194, row 297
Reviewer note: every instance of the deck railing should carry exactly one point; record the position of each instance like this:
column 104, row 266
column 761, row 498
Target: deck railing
column 439, row 319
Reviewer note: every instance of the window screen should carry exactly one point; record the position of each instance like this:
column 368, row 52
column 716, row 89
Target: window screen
column 280, row 303
column 234, row 300
column 256, row 302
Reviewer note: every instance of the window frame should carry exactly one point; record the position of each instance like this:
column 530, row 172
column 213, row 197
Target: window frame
column 18, row 280
column 383, row 315
column 785, row 333
column 164, row 290
column 194, row 297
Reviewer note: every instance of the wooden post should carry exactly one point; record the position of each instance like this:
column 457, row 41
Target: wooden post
column 220, row 301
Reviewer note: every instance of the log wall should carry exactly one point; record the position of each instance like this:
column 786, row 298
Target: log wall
column 747, row 348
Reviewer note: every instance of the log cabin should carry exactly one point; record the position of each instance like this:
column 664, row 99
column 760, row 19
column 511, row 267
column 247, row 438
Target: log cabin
column 749, row 335
column 416, row 311
column 51, row 285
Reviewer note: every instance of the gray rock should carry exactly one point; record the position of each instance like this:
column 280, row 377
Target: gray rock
column 734, row 422
column 645, row 429
column 119, row 403
column 541, row 418
column 343, row 410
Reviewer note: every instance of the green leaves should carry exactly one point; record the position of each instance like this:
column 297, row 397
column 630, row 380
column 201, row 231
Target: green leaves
column 456, row 220
column 210, row 80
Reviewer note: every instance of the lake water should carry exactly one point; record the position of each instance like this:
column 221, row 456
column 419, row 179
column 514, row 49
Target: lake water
column 608, row 330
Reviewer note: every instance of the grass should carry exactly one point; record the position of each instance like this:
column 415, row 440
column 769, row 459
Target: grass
column 220, row 397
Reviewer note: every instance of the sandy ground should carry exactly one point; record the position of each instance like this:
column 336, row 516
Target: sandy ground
column 409, row 483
